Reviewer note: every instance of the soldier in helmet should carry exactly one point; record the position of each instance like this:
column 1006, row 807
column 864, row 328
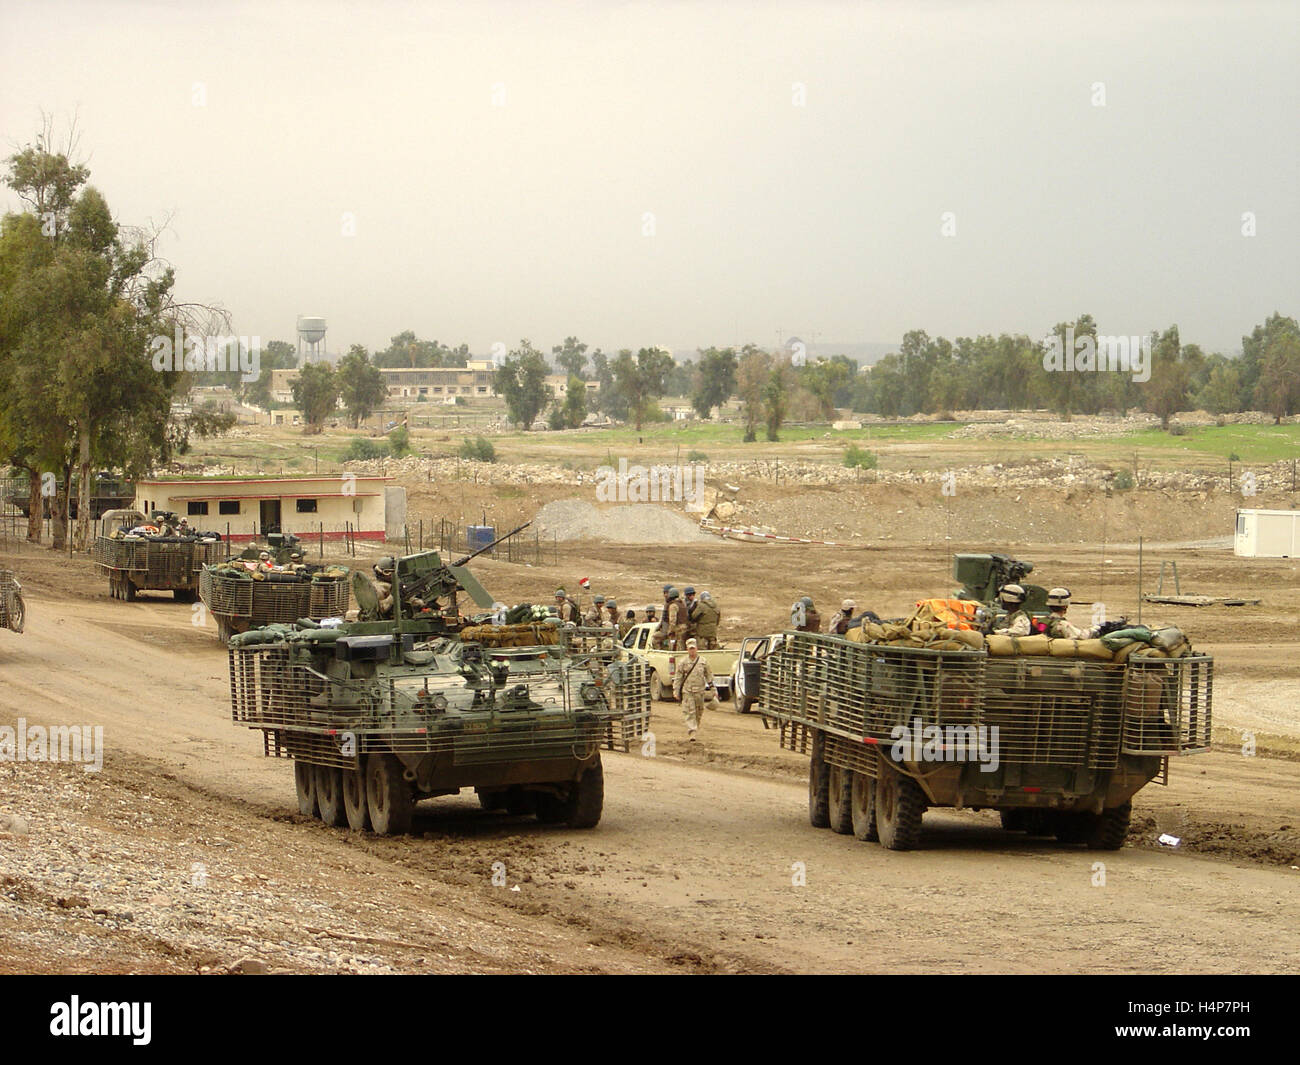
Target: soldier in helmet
column 296, row 564
column 706, row 618
column 840, row 619
column 1058, row 627
column 1016, row 620
column 611, row 614
column 678, row 620
column 812, row 621
column 567, row 608
column 596, row 617
column 384, row 586
column 651, row 613
column 664, row 631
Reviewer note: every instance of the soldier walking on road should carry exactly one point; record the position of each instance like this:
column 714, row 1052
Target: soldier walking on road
column 693, row 685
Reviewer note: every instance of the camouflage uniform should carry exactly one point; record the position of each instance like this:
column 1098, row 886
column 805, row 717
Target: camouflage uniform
column 706, row 620
column 693, row 685
column 680, row 624
column 1016, row 623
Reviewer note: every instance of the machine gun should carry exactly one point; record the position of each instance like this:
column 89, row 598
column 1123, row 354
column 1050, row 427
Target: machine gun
column 983, row 577
column 426, row 577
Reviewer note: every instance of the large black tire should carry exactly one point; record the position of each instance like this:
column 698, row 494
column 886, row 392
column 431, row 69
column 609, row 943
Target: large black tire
column 900, row 803
column 329, row 795
column 818, row 793
column 18, row 613
column 304, row 782
column 862, row 806
column 389, row 797
column 1110, row 829
column 128, row 590
column 582, row 803
column 839, row 799
column 355, row 807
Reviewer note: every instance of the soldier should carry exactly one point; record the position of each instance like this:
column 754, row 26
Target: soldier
column 1058, row 602
column 677, row 620
column 841, row 619
column 1016, row 621
column 183, row 527
column 626, row 622
column 596, row 617
column 650, row 613
column 567, row 608
column 812, row 620
column 691, row 604
column 706, row 624
column 384, row 586
column 264, row 564
column 693, row 685
column 611, row 614
column 296, row 564
column 664, row 631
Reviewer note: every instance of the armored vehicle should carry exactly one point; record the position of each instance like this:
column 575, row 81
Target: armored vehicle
column 13, row 611
column 1058, row 735
column 377, row 714
column 244, row 593
column 107, row 492
column 149, row 554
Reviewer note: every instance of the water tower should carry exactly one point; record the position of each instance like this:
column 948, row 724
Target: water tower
column 311, row 331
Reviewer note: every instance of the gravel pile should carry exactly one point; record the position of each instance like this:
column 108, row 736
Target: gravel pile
column 632, row 523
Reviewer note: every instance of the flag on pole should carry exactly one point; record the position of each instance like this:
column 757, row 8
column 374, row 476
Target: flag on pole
column 585, row 582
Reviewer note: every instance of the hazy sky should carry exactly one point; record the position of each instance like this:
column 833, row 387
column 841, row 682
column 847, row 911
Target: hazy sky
column 791, row 162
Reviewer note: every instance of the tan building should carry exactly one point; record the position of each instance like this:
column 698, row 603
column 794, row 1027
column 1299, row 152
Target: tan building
column 440, row 384
column 253, row 506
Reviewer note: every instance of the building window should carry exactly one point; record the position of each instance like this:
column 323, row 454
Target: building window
column 194, row 507
column 306, row 506
column 424, row 391
column 228, row 506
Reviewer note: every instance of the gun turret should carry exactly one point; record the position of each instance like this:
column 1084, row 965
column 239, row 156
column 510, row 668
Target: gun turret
column 488, row 547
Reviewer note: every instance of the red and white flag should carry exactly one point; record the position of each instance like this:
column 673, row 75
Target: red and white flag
column 585, row 582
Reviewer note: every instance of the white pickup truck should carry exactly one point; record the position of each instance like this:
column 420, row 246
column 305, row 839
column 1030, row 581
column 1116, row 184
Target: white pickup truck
column 663, row 664
column 749, row 668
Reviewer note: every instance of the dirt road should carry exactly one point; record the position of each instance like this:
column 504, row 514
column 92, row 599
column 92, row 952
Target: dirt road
column 710, row 865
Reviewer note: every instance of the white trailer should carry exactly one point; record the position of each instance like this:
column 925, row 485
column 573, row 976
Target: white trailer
column 1267, row 534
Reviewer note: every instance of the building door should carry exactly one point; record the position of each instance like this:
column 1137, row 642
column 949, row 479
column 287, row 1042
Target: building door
column 270, row 518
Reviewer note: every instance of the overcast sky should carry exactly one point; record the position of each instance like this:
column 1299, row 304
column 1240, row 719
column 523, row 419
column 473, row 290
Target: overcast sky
column 687, row 174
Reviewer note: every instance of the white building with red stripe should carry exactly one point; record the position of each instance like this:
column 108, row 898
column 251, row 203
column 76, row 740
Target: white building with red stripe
column 250, row 507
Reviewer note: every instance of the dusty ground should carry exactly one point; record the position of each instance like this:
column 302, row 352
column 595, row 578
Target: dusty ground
column 691, row 868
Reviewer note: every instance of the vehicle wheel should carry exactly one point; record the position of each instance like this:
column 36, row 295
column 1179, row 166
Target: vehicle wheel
column 839, row 799
column 356, row 808
column 818, row 793
column 587, row 797
column 112, row 588
column 304, row 782
column 388, row 796
column 493, row 801
column 656, row 688
column 900, row 802
column 862, row 802
column 183, row 595
column 1014, row 820
column 329, row 795
column 18, row 613
column 128, row 590
column 550, row 808
column 744, row 706
column 1110, row 829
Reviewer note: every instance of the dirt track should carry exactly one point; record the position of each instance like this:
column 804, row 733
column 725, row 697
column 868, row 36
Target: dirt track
column 691, row 867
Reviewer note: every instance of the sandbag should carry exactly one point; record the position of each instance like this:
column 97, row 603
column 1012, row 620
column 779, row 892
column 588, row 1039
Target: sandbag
column 999, row 643
column 1117, row 639
column 1093, row 650
column 1168, row 639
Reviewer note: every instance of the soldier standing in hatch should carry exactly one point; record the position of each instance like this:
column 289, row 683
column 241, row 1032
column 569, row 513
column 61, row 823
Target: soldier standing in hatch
column 841, row 619
column 1016, row 621
column 1058, row 627
column 384, row 586
column 693, row 685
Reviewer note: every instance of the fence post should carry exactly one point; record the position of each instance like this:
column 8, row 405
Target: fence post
column 322, row 539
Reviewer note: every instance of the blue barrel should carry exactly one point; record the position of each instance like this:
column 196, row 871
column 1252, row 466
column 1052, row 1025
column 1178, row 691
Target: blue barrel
column 479, row 536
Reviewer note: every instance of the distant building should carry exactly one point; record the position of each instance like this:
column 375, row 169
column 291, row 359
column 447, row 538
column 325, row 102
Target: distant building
column 254, row 506
column 558, row 383
column 440, row 383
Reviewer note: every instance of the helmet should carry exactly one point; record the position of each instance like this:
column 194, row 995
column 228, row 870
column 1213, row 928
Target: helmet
column 848, row 606
column 667, row 588
column 690, row 590
column 295, row 556
column 1012, row 593
column 706, row 596
column 807, row 601
column 610, row 604
column 384, row 565
column 599, row 599
column 651, row 609
column 1058, row 597
column 673, row 593
column 265, row 554
column 560, row 593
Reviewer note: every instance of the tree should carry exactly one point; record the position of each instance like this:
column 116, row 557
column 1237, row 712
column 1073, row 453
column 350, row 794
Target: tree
column 316, row 394
column 399, row 441
column 640, row 379
column 361, row 386
column 1253, row 348
column 1278, row 389
column 521, row 382
column 571, row 356
column 1222, row 391
column 1166, row 393
column 715, row 380
column 575, row 402
column 824, row 379
column 776, row 395
column 752, row 373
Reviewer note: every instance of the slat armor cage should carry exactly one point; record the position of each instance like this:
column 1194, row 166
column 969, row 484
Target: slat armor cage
column 158, row 564
column 8, row 593
column 1048, row 711
column 269, row 602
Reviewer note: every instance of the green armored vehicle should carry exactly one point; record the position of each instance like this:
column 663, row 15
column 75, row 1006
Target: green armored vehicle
column 13, row 611
column 158, row 553
column 1056, row 734
column 378, row 714
column 249, row 592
